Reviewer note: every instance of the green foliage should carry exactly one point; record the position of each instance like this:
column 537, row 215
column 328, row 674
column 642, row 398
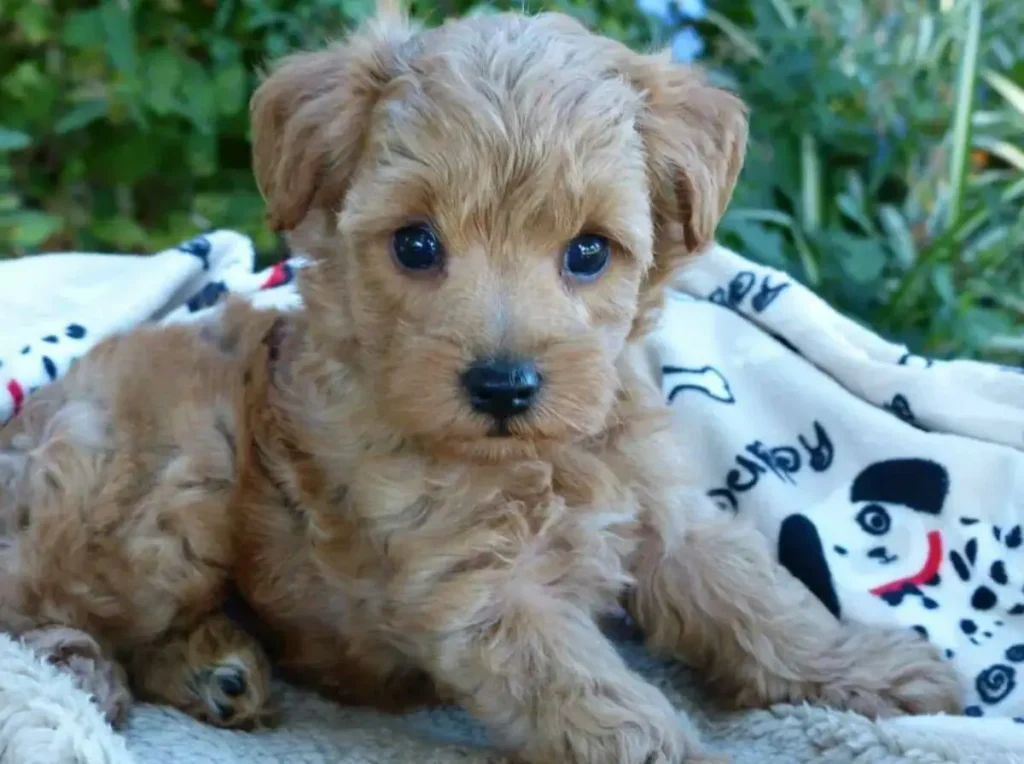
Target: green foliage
column 886, row 168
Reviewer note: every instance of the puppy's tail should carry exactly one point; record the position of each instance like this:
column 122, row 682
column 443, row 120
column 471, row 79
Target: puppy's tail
column 392, row 10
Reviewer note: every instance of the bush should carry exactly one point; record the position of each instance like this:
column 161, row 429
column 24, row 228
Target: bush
column 123, row 127
column 886, row 168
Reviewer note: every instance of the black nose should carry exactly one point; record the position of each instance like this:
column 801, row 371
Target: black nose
column 501, row 387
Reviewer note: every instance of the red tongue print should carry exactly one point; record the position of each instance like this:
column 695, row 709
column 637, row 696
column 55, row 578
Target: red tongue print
column 17, row 394
column 927, row 572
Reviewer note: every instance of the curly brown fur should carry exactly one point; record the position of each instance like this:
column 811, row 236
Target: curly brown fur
column 397, row 544
column 115, row 521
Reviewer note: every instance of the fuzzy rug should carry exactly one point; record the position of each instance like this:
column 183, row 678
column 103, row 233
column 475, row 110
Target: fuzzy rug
column 44, row 719
column 892, row 485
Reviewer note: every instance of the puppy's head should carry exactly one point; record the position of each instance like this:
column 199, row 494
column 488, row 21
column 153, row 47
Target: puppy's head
column 493, row 208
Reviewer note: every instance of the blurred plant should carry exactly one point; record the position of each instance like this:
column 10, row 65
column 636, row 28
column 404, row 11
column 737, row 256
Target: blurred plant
column 886, row 168
column 123, row 125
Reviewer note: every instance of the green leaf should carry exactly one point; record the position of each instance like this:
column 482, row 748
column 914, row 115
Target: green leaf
column 83, row 29
column 229, row 84
column 200, row 98
column 861, row 259
column 964, row 107
column 852, row 210
column 120, row 37
column 758, row 242
column 901, row 241
column 33, row 21
column 80, row 115
column 12, row 140
column 1003, row 149
column 1013, row 94
column 163, row 74
column 123, row 232
column 29, row 228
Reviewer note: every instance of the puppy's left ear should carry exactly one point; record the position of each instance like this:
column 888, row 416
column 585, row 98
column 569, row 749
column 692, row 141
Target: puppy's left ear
column 310, row 117
column 696, row 139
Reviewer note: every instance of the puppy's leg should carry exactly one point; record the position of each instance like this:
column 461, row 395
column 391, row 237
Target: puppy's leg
column 540, row 674
column 94, row 672
column 216, row 673
column 709, row 590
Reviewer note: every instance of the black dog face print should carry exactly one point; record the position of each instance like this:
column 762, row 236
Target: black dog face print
column 892, row 483
column 885, row 545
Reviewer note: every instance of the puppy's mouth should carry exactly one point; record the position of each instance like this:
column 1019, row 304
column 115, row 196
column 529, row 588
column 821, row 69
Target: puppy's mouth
column 500, row 429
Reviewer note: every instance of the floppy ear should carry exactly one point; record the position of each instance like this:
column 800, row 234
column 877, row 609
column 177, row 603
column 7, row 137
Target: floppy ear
column 696, row 139
column 310, row 117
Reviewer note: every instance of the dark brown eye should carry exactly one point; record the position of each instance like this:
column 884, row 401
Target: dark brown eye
column 586, row 257
column 874, row 519
column 417, row 247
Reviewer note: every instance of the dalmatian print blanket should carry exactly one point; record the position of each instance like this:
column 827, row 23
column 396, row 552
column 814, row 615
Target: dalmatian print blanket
column 892, row 485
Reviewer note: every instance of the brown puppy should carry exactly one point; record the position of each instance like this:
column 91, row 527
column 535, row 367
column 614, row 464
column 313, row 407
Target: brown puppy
column 462, row 458
column 115, row 484
column 433, row 479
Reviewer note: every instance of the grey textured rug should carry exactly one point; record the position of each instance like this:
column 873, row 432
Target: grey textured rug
column 314, row 731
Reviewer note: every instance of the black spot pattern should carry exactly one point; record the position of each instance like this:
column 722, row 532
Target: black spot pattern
column 198, row 247
column 967, row 626
column 75, row 331
column 1015, row 654
column 995, row 683
column 998, row 573
column 1013, row 538
column 207, row 296
column 49, row 367
column 960, row 566
column 983, row 598
column 971, row 550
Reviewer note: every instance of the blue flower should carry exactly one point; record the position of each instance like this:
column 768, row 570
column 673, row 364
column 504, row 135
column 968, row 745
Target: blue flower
column 694, row 10
column 659, row 9
column 673, row 11
column 687, row 45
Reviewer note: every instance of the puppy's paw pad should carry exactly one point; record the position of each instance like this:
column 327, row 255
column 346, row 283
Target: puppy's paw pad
column 231, row 681
column 234, row 693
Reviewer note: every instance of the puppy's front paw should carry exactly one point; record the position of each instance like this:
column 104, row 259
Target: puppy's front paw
column 217, row 674
column 79, row 654
column 892, row 671
column 622, row 726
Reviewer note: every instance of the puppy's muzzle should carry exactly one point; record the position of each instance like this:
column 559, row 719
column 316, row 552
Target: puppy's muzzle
column 502, row 387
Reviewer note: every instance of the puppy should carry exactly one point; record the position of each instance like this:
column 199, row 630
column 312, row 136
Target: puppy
column 461, row 458
column 431, row 482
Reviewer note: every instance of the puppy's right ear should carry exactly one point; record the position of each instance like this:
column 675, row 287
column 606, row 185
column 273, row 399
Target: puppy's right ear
column 310, row 117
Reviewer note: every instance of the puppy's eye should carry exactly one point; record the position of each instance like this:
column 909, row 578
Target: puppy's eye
column 417, row 247
column 586, row 256
column 874, row 520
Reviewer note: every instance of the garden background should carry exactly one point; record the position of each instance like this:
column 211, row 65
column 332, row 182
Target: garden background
column 886, row 169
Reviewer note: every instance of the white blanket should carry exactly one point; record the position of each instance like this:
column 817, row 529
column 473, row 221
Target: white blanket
column 893, row 485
